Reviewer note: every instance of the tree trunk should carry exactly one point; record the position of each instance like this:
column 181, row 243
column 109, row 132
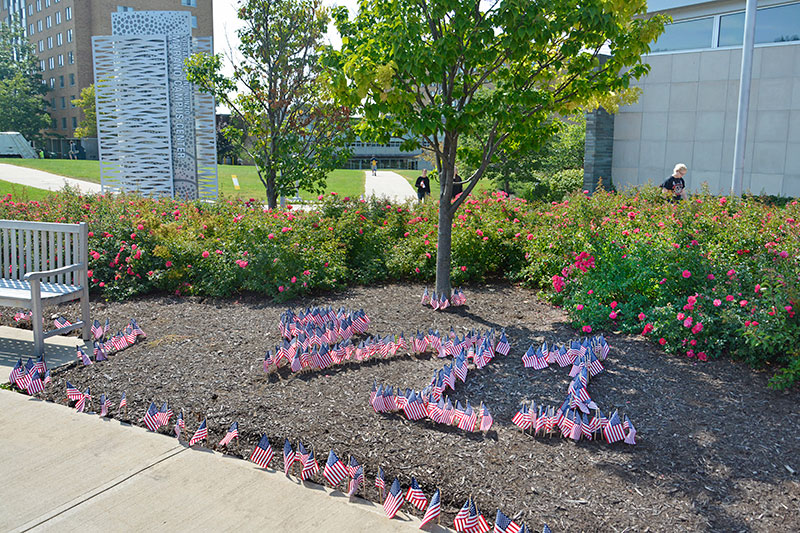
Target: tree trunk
column 444, row 240
column 272, row 197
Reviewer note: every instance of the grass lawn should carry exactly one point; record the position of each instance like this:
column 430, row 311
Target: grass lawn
column 22, row 193
column 344, row 182
column 412, row 175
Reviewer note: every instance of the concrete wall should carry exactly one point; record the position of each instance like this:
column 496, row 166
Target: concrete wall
column 687, row 114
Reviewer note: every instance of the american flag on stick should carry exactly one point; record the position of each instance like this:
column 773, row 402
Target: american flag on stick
column 180, row 425
column 262, row 454
column 288, row 457
column 97, row 330
column 380, row 481
column 40, row 366
column 16, row 372
column 415, row 496
column 61, row 322
column 151, row 417
column 614, row 431
column 461, row 520
column 233, row 432
column 394, row 499
column 334, row 471
column 434, row 509
column 503, row 524
column 81, row 405
column 123, row 402
column 523, row 418
column 200, row 434
column 72, row 392
column 164, row 415
column 105, row 403
column 35, row 385
column 310, row 466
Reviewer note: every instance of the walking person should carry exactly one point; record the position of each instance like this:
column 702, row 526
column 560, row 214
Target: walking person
column 374, row 165
column 674, row 187
column 423, row 185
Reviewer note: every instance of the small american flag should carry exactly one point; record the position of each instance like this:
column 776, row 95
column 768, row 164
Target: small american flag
column 164, row 415
column 16, row 373
column 200, row 434
column 136, row 329
column 82, row 357
column 232, row 433
column 614, row 432
column 503, row 347
column 123, row 402
column 481, row 525
column 394, row 499
column 546, row 529
column 40, row 365
column 468, row 419
column 81, row 405
column 334, row 471
column 97, row 330
column 72, row 392
column 310, row 466
column 434, row 509
column 486, row 418
column 630, row 438
column 523, row 418
column 61, row 322
column 130, row 336
column 24, row 380
column 262, row 454
column 151, row 417
column 99, row 351
column 358, row 478
column 460, row 521
column 415, row 496
column 288, row 457
column 180, row 425
column 380, row 482
column 426, row 297
column 503, row 524
column 35, row 384
column 47, row 378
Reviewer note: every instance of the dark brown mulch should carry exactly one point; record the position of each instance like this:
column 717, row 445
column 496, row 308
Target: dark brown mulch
column 715, row 445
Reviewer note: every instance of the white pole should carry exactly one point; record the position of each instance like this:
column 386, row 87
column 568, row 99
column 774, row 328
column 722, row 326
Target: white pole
column 744, row 97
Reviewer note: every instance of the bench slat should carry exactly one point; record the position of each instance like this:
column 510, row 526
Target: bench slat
column 68, row 257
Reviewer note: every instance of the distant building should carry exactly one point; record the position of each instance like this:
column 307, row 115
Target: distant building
column 688, row 108
column 62, row 32
column 387, row 155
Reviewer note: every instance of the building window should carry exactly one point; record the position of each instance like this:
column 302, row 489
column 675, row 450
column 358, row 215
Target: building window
column 72, row 79
column 63, row 123
column 39, row 25
column 48, row 22
column 60, row 39
column 38, row 5
column 53, row 102
column 70, row 58
column 58, row 17
column 63, row 102
column 52, row 82
column 30, row 30
column 72, row 100
column 42, row 66
column 194, row 21
column 69, row 36
column 74, row 122
column 773, row 25
column 30, row 10
column 46, row 3
column 51, row 62
column 124, row 9
column 68, row 13
column 50, row 43
column 41, row 45
column 189, row 3
column 61, row 81
column 61, row 63
column 688, row 35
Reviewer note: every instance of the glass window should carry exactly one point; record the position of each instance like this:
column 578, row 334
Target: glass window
column 124, row 9
column 63, row 123
column 69, row 36
column 61, row 81
column 39, row 26
column 41, row 66
column 50, row 42
column 58, row 17
column 53, row 102
column 30, row 10
column 63, row 102
column 41, row 45
column 194, row 21
column 30, row 30
column 61, row 63
column 688, row 35
column 60, row 39
column 74, row 122
column 72, row 100
column 72, row 79
column 38, row 5
column 70, row 58
column 52, row 81
column 52, row 64
column 773, row 25
column 46, row 3
column 68, row 13
column 49, row 21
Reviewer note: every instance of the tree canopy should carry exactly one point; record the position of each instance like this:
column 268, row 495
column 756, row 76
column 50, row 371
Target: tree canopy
column 86, row 102
column 22, row 106
column 435, row 70
column 294, row 132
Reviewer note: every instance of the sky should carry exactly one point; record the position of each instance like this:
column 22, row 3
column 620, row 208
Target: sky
column 226, row 23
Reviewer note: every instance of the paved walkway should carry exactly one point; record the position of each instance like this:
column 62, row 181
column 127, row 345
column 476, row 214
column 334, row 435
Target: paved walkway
column 68, row 471
column 16, row 343
column 43, row 180
column 389, row 184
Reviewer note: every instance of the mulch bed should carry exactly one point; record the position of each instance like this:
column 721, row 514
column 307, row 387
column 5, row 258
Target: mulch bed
column 715, row 446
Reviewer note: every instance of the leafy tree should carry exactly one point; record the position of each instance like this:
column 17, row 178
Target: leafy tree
column 295, row 131
column 22, row 106
column 417, row 69
column 88, row 126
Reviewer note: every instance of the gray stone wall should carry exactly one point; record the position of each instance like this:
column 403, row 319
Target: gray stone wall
column 687, row 114
column 598, row 149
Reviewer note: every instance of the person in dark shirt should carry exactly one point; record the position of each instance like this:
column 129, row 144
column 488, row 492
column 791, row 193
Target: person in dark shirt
column 457, row 185
column 674, row 187
column 423, row 185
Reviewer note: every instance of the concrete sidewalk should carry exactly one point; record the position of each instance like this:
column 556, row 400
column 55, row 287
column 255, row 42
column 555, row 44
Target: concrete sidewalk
column 68, row 471
column 16, row 343
column 44, row 180
column 389, row 184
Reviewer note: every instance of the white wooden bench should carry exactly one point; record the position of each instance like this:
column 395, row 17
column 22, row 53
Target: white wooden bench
column 45, row 263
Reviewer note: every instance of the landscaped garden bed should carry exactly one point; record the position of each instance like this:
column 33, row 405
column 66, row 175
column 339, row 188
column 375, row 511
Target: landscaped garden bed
column 714, row 447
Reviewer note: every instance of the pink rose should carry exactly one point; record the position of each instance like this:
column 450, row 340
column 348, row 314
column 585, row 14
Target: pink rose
column 205, row 254
column 686, row 274
column 586, row 329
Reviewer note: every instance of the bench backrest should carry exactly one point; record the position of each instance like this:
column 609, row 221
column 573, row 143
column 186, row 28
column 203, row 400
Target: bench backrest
column 37, row 246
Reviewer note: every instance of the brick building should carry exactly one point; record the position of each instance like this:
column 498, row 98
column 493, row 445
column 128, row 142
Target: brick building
column 62, row 30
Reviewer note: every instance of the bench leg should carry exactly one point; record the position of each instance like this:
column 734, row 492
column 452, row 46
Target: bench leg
column 36, row 318
column 87, row 327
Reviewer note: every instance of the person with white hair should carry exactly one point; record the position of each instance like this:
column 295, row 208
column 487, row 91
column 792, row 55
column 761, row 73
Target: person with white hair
column 674, row 187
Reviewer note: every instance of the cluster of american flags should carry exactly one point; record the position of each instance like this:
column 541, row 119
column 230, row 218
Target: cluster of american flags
column 470, row 519
column 579, row 416
column 441, row 302
column 83, row 401
column 593, row 349
column 430, row 402
column 105, row 345
column 30, row 377
column 319, row 338
column 23, row 316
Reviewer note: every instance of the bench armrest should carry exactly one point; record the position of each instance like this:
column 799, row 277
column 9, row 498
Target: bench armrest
column 55, row 271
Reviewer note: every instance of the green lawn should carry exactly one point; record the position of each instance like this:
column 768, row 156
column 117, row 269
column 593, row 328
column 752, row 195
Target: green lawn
column 21, row 193
column 412, row 175
column 344, row 182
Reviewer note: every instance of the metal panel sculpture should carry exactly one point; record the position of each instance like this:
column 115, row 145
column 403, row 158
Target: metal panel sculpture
column 132, row 114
